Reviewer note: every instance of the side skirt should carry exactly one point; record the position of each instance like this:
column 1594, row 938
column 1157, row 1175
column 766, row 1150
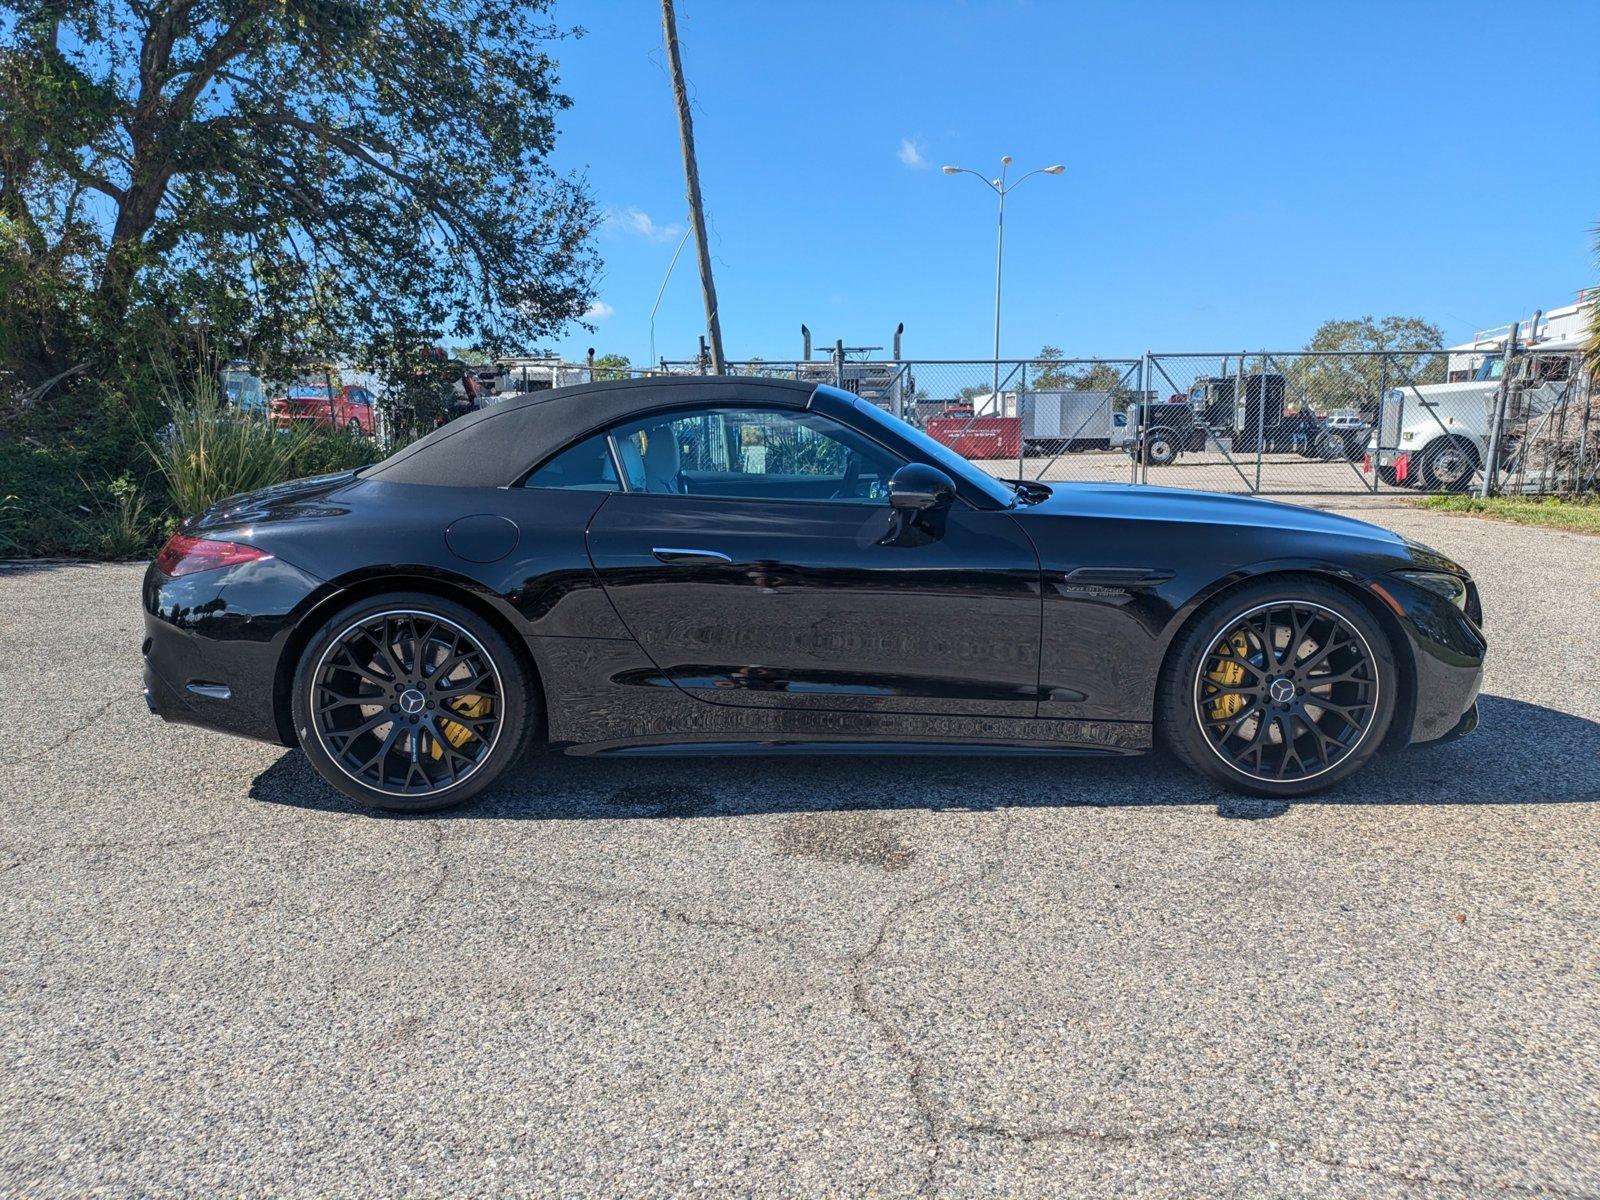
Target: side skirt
column 905, row 749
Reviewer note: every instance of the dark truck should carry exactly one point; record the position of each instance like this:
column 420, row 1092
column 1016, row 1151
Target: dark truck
column 1259, row 416
column 1162, row 431
column 1159, row 432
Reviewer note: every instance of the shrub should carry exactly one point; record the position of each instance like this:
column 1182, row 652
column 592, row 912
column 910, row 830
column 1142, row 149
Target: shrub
column 117, row 526
column 210, row 452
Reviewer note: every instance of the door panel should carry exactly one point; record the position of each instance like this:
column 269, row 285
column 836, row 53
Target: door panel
column 818, row 606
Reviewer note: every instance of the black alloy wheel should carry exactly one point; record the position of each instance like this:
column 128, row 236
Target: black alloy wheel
column 411, row 703
column 1282, row 692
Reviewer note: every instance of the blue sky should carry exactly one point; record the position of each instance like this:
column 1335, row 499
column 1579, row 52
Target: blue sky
column 1236, row 173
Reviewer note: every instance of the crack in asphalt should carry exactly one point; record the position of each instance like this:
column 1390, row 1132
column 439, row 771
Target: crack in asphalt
column 861, row 968
column 1289, row 1147
column 413, row 917
column 40, row 853
column 66, row 737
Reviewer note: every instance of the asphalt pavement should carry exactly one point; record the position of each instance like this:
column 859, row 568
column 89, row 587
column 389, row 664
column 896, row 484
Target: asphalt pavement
column 837, row 977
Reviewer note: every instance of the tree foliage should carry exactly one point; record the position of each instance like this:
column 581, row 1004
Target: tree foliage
column 1349, row 374
column 184, row 182
column 613, row 366
column 1050, row 372
column 302, row 177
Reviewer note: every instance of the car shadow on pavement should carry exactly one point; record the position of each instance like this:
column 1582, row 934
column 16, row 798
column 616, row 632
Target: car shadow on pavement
column 1521, row 754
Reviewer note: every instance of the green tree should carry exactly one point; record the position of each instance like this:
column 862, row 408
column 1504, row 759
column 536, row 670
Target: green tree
column 1347, row 374
column 378, row 164
column 1050, row 372
column 613, row 366
column 1046, row 374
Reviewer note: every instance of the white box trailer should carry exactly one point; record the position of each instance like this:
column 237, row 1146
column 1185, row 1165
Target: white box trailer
column 1068, row 420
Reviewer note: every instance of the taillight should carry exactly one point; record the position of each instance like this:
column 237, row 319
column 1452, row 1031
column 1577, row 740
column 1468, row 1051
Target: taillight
column 185, row 555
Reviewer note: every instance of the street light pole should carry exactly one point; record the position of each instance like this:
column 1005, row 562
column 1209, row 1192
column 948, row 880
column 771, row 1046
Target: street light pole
column 1001, row 189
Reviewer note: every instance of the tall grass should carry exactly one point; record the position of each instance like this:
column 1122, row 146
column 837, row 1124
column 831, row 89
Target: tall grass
column 10, row 525
column 210, row 452
column 117, row 525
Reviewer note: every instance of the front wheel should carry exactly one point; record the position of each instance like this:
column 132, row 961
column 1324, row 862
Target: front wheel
column 1449, row 465
column 1160, row 448
column 1279, row 689
column 411, row 703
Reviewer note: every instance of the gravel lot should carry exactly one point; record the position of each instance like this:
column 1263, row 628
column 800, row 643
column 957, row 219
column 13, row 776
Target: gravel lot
column 835, row 978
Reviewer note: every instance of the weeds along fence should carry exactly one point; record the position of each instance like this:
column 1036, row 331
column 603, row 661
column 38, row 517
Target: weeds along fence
column 1274, row 422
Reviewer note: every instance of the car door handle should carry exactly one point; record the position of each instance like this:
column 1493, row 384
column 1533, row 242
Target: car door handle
column 680, row 554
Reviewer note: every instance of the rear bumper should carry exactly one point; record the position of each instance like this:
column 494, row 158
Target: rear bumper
column 213, row 644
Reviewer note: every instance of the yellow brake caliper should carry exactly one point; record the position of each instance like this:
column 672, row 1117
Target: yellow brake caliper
column 456, row 734
column 1228, row 673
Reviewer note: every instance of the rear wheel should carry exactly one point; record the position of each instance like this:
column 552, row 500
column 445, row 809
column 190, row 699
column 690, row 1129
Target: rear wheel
column 410, row 703
column 1280, row 689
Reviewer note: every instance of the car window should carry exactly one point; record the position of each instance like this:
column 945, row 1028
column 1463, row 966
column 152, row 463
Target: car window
column 585, row 467
column 753, row 453
column 934, row 452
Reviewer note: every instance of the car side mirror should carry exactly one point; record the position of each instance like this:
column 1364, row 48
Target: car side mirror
column 921, row 488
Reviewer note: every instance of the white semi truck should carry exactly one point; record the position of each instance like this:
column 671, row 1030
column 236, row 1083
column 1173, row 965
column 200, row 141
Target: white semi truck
column 1437, row 436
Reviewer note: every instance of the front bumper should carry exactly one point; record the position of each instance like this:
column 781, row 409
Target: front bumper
column 1447, row 652
column 1398, row 461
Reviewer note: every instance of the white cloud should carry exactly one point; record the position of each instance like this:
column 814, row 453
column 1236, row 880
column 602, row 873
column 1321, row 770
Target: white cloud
column 599, row 311
column 911, row 153
column 638, row 223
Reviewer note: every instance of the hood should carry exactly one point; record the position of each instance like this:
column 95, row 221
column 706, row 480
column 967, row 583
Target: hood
column 1134, row 502
column 296, row 500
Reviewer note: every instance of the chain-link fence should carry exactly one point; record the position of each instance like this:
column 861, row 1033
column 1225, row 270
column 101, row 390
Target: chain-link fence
column 1280, row 422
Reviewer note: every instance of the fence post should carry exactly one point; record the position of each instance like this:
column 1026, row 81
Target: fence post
column 1261, row 414
column 838, row 363
column 1022, row 417
column 1490, row 468
column 1383, row 399
column 1144, row 453
column 1138, row 398
column 1580, row 375
column 1241, row 403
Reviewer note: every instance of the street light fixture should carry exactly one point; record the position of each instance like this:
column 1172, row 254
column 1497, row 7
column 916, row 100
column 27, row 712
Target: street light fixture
column 1001, row 189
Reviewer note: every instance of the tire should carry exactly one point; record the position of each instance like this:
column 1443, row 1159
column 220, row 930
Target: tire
column 340, row 692
column 355, row 427
column 1192, row 710
column 1160, row 448
column 1387, row 476
column 1448, row 465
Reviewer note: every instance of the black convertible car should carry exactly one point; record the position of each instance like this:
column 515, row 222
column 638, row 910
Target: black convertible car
column 727, row 564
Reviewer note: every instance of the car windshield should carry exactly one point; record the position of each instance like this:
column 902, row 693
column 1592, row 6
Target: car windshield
column 1000, row 493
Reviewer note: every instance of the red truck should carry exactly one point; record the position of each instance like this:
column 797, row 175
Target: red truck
column 350, row 407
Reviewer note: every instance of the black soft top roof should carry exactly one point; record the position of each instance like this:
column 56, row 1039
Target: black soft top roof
column 494, row 446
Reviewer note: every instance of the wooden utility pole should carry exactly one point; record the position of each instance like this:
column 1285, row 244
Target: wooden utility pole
column 669, row 24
